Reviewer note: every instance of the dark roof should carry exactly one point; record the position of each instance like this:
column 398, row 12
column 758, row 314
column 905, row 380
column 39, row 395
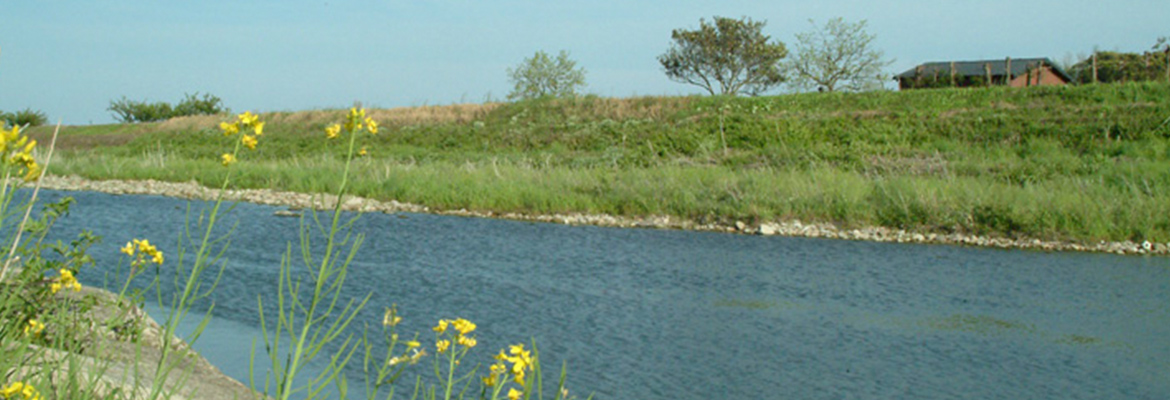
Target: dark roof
column 1020, row 66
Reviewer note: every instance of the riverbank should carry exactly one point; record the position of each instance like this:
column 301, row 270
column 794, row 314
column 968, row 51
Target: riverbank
column 1082, row 167
column 794, row 228
column 121, row 359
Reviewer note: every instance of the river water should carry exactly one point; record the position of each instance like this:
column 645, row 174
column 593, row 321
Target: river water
column 658, row 314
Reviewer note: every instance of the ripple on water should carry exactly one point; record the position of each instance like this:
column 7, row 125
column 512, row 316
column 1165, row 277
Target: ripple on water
column 691, row 315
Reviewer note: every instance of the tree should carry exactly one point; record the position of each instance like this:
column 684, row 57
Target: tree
column 730, row 55
column 837, row 56
column 542, row 76
column 1113, row 66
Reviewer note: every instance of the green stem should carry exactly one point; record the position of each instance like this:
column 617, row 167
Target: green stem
column 298, row 353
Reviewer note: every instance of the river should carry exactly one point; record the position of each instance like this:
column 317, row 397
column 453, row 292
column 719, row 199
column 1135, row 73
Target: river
column 662, row 314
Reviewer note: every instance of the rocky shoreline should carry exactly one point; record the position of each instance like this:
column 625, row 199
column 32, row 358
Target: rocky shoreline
column 192, row 190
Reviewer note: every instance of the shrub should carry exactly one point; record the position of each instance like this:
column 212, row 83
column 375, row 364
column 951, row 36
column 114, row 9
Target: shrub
column 24, row 117
column 192, row 104
column 129, row 111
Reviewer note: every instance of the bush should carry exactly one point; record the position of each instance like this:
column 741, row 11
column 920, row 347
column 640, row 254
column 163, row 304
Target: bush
column 194, row 105
column 24, row 117
column 129, row 111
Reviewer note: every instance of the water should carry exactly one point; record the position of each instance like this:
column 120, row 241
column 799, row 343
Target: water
column 690, row 315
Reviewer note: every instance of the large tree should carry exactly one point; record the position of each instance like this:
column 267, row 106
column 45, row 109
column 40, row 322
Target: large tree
column 542, row 76
column 837, row 56
column 728, row 56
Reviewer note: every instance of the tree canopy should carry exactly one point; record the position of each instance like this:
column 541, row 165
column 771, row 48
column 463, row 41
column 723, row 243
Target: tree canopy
column 542, row 76
column 727, row 56
column 837, row 56
column 1113, row 66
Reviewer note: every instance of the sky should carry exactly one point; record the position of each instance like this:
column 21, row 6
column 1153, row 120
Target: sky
column 70, row 59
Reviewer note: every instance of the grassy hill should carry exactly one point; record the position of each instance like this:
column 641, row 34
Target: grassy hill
column 1082, row 163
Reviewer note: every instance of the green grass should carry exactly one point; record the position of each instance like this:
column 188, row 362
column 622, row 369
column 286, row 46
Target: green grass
column 1082, row 163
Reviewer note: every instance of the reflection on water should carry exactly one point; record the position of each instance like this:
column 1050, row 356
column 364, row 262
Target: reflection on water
column 691, row 315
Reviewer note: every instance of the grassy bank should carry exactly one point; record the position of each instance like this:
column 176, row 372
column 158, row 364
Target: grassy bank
column 1078, row 163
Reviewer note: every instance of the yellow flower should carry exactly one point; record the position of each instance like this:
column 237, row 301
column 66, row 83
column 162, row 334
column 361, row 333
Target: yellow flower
column 465, row 341
column 412, row 344
column 514, row 394
column 356, row 113
column 8, row 136
column 441, row 327
column 22, row 159
column 25, row 391
column 227, row 159
column 249, row 142
column 372, row 126
column 247, row 118
column 34, row 328
column 34, row 172
column 259, row 128
column 65, row 281
column 390, row 317
column 442, row 345
column 464, row 326
column 145, row 249
column 489, row 380
column 363, row 151
column 333, row 131
column 229, row 128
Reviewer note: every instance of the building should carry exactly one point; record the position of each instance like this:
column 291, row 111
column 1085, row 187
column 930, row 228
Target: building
column 1018, row 72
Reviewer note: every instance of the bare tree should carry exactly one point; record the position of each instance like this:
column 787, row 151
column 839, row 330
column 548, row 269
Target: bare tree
column 728, row 56
column 837, row 56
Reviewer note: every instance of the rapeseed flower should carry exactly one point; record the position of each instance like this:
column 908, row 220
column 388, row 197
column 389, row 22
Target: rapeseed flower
column 442, row 345
column 390, row 317
column 21, row 148
column 144, row 249
column 21, row 389
column 372, row 126
column 249, row 142
column 65, row 281
column 227, row 159
column 258, row 128
column 333, row 131
column 248, row 119
column 34, row 328
column 363, row 151
column 412, row 344
column 514, row 394
column 463, row 326
column 229, row 128
column 521, row 361
column 441, row 327
column 8, row 138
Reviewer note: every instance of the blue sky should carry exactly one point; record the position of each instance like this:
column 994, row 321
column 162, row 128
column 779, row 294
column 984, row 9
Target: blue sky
column 71, row 58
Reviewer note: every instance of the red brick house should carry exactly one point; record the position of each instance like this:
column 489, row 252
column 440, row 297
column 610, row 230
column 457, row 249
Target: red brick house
column 1019, row 72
